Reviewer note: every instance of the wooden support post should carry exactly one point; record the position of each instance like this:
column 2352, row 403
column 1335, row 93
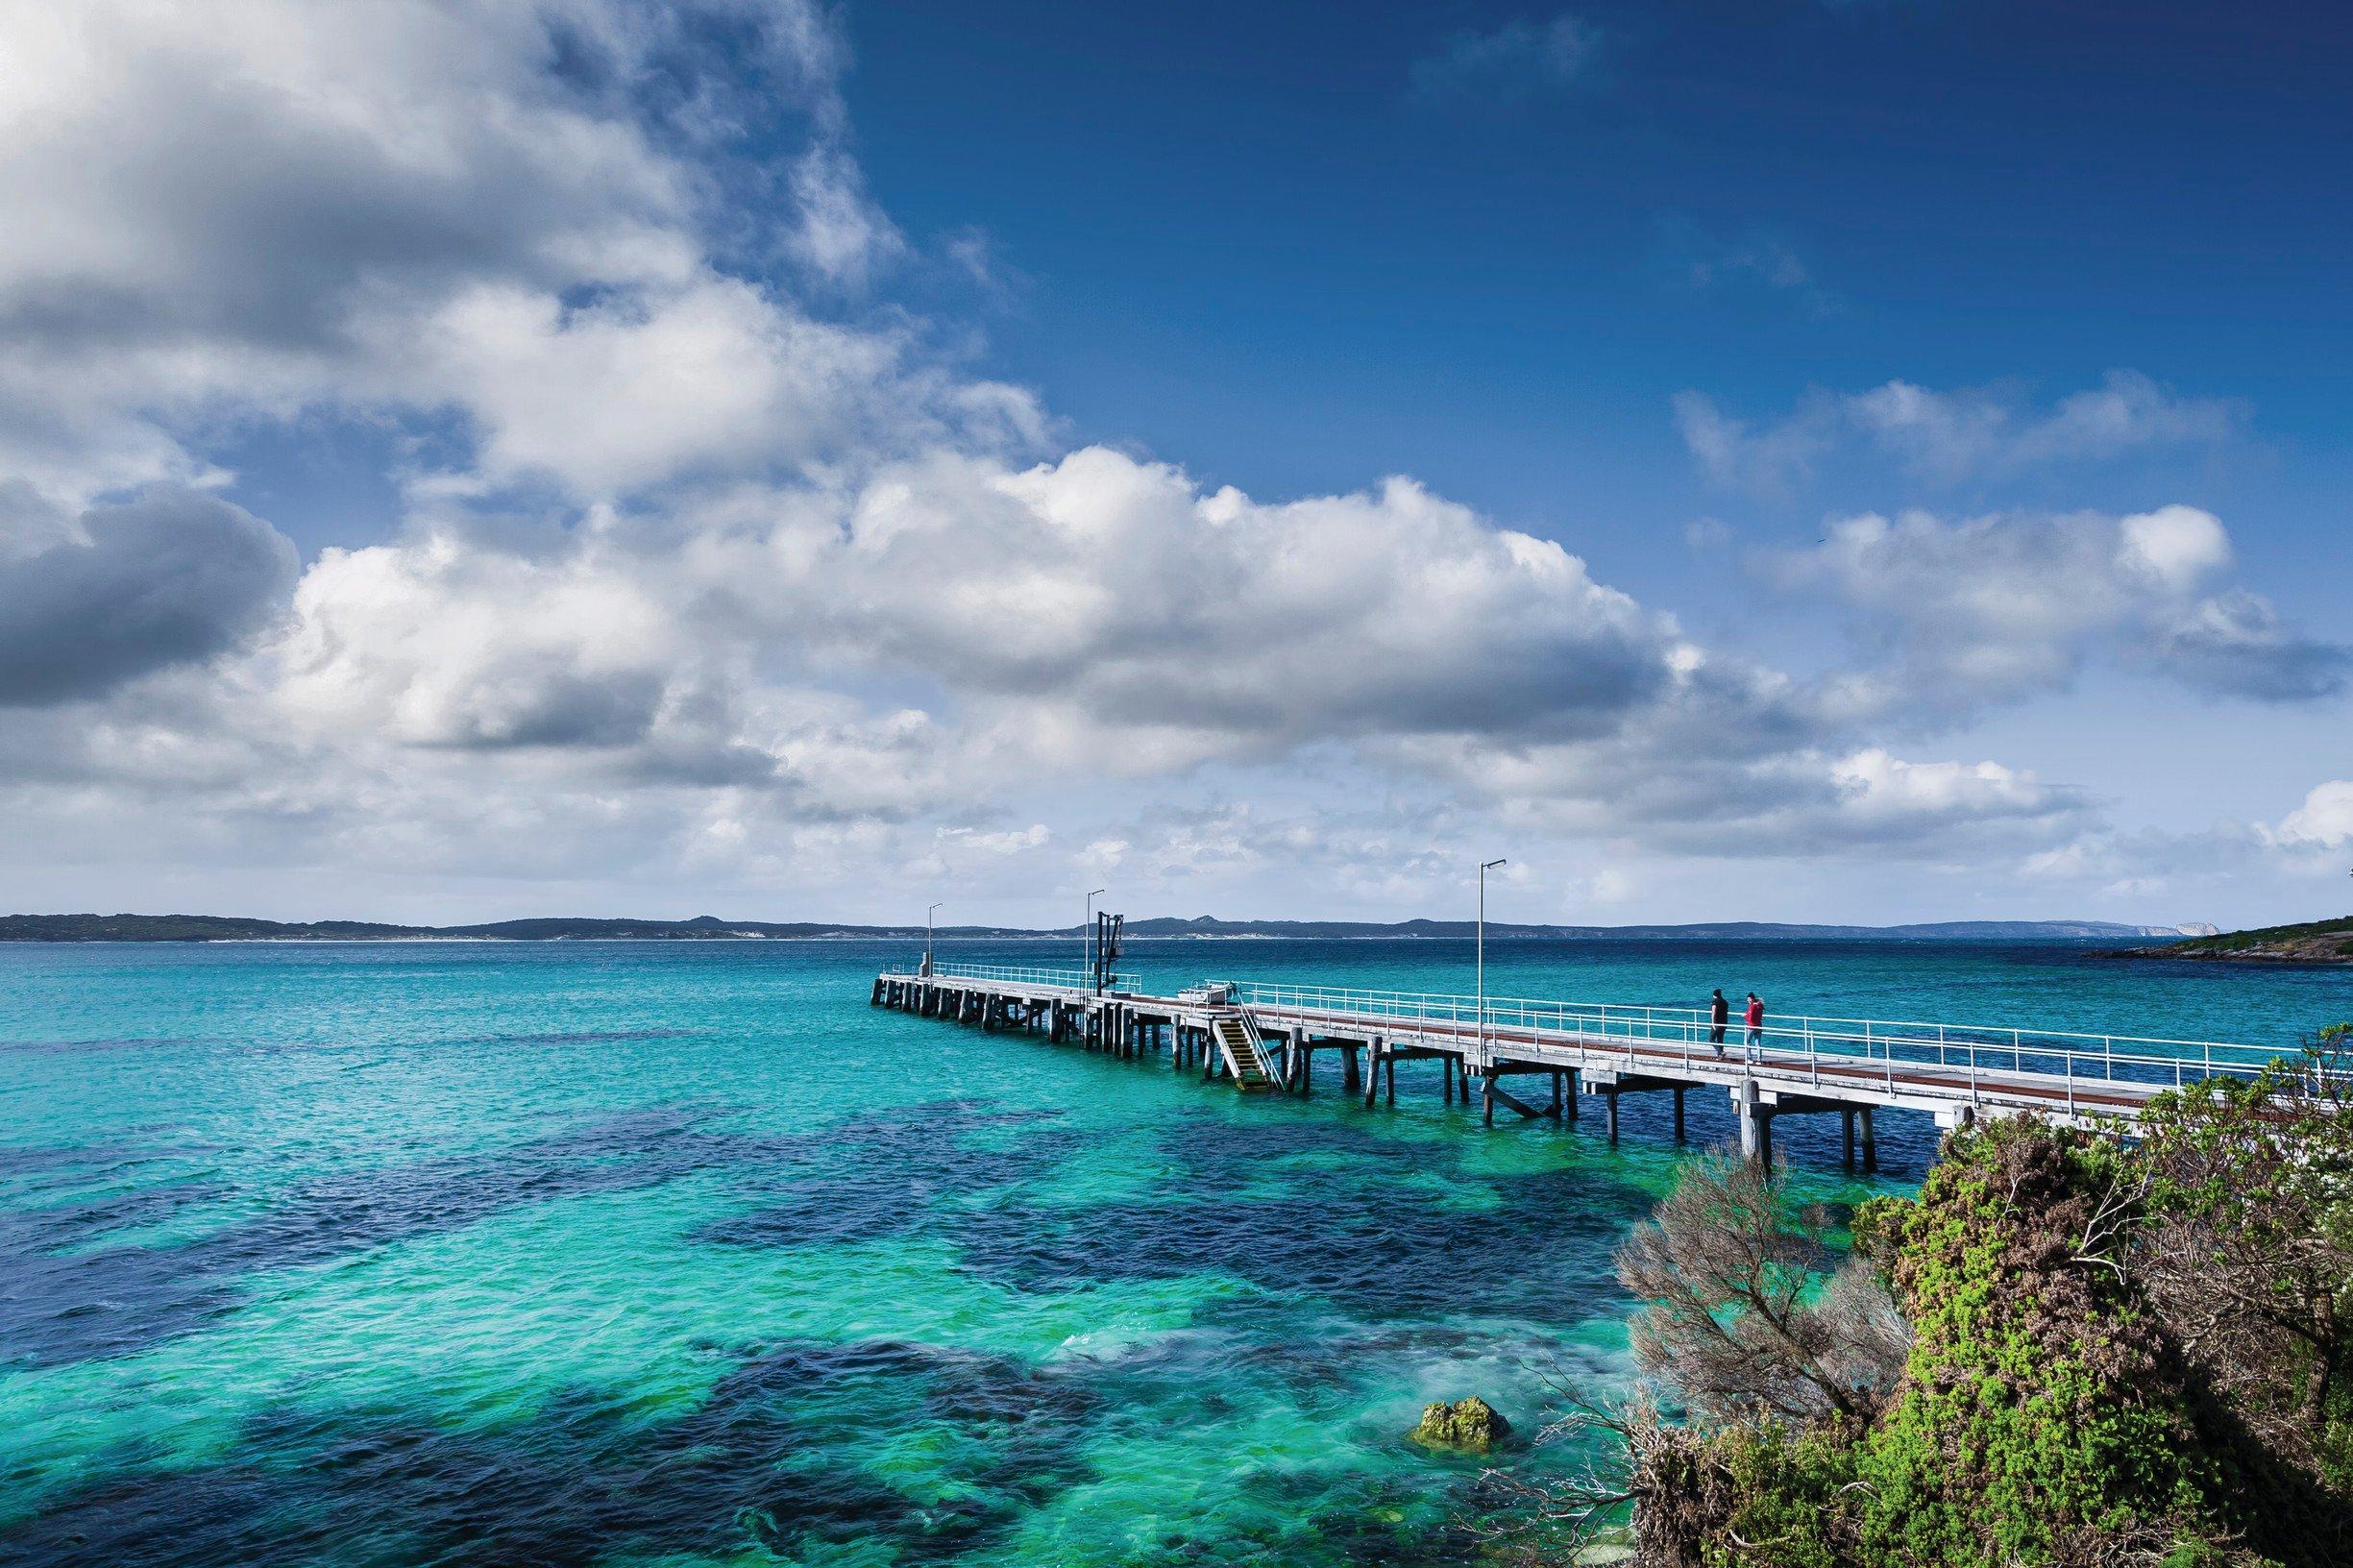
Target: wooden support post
column 1870, row 1144
column 1577, row 1089
column 1351, row 1079
column 1372, row 1072
column 1678, row 1116
column 1846, row 1135
column 1612, row 1096
column 1487, row 1097
column 1558, row 1110
column 1446, row 1073
column 875, row 1000
column 1388, row 1068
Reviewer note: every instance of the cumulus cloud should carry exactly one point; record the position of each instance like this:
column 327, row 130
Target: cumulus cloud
column 1946, row 437
column 262, row 205
column 1120, row 591
column 1099, row 607
column 1514, row 61
column 2325, row 820
column 1993, row 609
column 173, row 578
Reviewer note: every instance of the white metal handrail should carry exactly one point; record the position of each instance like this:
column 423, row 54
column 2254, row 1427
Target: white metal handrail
column 1016, row 974
column 1976, row 1049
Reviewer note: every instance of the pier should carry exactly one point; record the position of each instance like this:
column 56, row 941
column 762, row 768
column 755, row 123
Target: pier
column 1551, row 1059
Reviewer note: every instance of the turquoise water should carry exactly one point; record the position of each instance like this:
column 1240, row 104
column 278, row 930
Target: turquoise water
column 646, row 1254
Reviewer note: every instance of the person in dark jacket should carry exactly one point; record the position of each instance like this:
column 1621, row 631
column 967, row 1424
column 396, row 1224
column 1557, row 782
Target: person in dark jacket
column 1719, row 1014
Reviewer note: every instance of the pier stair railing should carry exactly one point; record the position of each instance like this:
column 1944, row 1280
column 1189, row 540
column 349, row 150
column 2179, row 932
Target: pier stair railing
column 1244, row 1050
column 1803, row 1047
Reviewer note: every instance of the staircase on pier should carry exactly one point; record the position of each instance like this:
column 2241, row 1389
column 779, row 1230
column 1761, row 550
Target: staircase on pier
column 1245, row 1054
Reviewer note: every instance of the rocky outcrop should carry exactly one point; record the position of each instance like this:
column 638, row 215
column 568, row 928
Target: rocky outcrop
column 1468, row 1425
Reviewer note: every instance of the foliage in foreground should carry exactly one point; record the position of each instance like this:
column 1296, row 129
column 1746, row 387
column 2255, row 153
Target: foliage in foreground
column 2117, row 1354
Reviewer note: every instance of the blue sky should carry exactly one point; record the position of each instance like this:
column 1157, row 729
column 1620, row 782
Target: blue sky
column 1871, row 460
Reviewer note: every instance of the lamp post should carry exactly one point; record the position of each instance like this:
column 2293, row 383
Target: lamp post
column 928, row 914
column 1481, row 961
column 1090, row 933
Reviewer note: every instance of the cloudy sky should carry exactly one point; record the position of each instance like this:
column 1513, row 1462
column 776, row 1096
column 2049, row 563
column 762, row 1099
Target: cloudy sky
column 1779, row 460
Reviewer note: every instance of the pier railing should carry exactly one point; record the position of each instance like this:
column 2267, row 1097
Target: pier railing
column 1976, row 1050
column 1022, row 975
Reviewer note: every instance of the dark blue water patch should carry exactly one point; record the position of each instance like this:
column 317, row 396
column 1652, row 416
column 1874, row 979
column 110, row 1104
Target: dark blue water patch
column 1343, row 1233
column 897, row 1176
column 83, row 1160
column 59, row 1305
column 1349, row 1238
column 80, row 1047
column 769, row 1460
column 1220, row 1147
column 58, row 1225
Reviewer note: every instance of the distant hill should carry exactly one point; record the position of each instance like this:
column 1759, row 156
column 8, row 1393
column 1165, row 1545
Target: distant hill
column 2315, row 941
column 235, row 928
column 711, row 928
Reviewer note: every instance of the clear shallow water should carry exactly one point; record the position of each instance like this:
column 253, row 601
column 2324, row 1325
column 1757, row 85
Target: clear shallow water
column 646, row 1254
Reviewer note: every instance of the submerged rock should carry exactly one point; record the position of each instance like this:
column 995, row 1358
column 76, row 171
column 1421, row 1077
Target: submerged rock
column 1468, row 1425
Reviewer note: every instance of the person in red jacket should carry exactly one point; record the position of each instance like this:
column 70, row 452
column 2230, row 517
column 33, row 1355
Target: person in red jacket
column 1756, row 1018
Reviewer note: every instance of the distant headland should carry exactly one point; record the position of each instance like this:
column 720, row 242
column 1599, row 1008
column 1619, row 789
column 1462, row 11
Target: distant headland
column 2315, row 941
column 711, row 928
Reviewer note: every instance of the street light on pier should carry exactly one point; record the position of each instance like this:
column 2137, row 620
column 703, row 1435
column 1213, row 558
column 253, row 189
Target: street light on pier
column 1480, row 960
column 928, row 914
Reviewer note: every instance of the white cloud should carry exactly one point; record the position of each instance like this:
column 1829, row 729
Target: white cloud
column 1993, row 609
column 1099, row 608
column 258, row 206
column 1946, row 437
column 1769, row 462
column 2325, row 819
column 842, row 236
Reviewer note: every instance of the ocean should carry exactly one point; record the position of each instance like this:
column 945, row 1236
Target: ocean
column 671, row 1254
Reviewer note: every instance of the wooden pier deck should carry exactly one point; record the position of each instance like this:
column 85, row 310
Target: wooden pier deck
column 1267, row 1037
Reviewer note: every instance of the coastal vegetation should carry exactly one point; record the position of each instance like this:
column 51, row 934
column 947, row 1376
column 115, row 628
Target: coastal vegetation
column 2067, row 1349
column 2315, row 941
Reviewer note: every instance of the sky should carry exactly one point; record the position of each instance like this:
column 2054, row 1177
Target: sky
column 1851, row 460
